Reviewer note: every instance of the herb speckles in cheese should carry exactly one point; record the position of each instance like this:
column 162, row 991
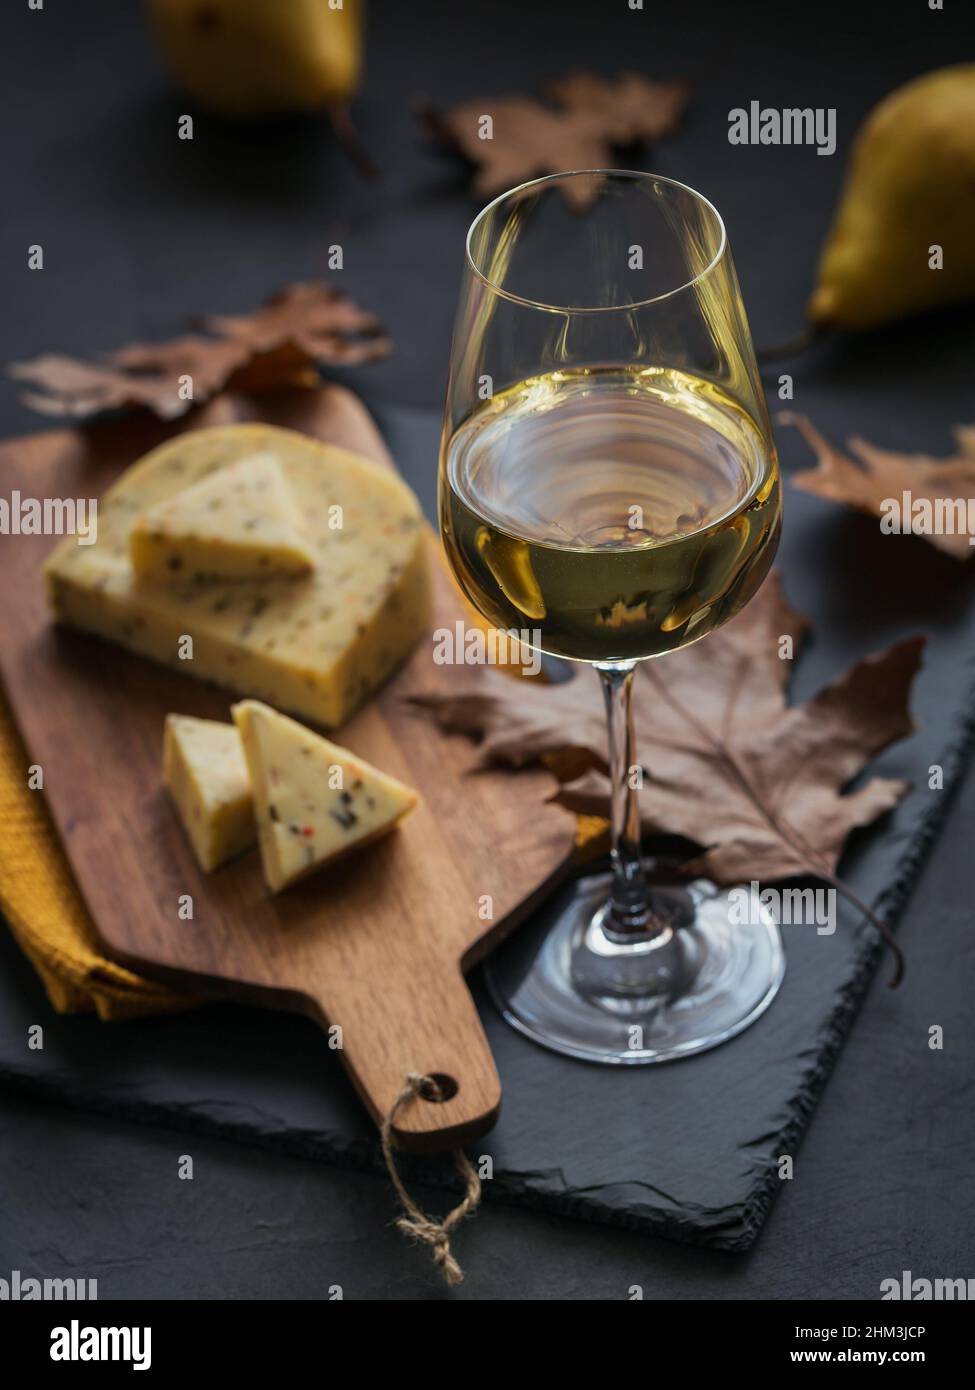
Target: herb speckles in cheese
column 239, row 522
column 313, row 800
column 318, row 644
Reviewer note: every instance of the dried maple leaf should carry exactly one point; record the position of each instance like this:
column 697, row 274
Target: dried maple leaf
column 731, row 766
column 321, row 322
column 144, row 374
column 627, row 109
column 528, row 139
column 278, row 346
column 875, row 477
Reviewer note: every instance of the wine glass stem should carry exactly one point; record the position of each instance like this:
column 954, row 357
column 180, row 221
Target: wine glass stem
column 629, row 912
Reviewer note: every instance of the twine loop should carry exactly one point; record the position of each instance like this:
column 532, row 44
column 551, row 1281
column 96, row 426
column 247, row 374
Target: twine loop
column 416, row 1224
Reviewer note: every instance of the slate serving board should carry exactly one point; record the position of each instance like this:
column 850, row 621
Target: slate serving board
column 690, row 1150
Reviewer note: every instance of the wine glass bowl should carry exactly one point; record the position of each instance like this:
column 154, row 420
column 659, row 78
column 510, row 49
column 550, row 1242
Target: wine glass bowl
column 673, row 539
column 609, row 489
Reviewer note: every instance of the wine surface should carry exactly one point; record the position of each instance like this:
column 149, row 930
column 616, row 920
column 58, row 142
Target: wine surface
column 615, row 512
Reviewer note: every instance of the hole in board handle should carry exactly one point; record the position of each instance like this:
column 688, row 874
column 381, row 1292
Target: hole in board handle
column 439, row 1087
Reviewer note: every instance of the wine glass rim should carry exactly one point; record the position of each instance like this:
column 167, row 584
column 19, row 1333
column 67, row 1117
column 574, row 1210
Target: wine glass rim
column 643, row 175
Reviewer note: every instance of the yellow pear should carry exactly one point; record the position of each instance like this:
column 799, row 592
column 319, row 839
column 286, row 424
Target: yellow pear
column 910, row 189
column 261, row 57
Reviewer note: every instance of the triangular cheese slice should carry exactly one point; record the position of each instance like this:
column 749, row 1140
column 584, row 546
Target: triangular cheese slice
column 206, row 775
column 312, row 799
column 239, row 522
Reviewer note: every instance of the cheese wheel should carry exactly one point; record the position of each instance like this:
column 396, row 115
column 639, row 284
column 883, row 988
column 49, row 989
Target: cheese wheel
column 318, row 644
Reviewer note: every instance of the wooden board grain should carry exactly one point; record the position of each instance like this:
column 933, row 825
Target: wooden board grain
column 378, row 944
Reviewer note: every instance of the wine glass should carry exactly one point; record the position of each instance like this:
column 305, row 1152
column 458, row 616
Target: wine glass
column 609, row 488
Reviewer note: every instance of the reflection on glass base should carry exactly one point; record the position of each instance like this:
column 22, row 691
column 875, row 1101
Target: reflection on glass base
column 574, row 987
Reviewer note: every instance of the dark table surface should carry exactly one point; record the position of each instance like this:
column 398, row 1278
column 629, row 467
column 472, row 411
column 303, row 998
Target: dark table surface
column 140, row 231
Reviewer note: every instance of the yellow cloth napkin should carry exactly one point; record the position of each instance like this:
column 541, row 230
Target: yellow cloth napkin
column 46, row 913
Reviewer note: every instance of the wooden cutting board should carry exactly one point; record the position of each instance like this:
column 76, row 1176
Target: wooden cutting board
column 379, row 944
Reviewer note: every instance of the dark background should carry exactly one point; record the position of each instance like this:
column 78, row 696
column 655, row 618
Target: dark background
column 141, row 231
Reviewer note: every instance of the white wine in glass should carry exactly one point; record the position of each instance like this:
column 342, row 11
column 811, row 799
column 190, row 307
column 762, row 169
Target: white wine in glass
column 609, row 483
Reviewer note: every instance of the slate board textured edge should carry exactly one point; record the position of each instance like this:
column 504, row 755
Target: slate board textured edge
column 836, row 1027
column 733, row 1230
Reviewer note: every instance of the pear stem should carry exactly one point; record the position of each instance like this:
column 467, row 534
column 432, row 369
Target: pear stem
column 792, row 346
column 351, row 141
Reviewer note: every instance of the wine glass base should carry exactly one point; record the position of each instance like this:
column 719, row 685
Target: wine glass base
column 714, row 977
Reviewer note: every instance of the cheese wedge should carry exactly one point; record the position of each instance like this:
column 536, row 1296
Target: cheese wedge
column 313, row 800
column 206, row 775
column 316, row 645
column 240, row 522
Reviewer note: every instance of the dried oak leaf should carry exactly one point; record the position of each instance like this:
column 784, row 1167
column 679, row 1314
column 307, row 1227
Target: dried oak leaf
column 628, row 109
column 529, row 139
column 730, row 765
column 278, row 346
column 874, row 475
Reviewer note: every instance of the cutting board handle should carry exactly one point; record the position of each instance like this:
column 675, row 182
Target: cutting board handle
column 426, row 1023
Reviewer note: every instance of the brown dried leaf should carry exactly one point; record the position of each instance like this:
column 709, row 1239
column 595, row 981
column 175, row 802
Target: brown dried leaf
column 625, row 110
column 321, row 322
column 278, row 346
column 874, row 475
column 145, row 374
column 526, row 732
column 730, row 765
column 530, row 139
